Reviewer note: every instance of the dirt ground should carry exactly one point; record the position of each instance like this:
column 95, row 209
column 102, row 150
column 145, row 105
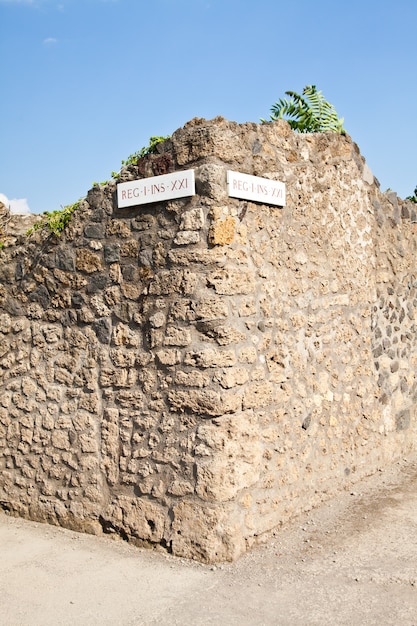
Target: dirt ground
column 351, row 562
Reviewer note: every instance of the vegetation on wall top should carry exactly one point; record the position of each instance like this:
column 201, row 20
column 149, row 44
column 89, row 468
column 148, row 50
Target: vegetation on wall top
column 308, row 113
column 55, row 221
column 151, row 148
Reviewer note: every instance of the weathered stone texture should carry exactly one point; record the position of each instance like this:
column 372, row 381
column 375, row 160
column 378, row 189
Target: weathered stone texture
column 194, row 372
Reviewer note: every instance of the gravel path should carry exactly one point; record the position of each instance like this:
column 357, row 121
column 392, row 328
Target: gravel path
column 351, row 562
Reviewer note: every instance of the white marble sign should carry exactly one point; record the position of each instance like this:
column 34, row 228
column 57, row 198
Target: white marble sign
column 156, row 189
column 255, row 188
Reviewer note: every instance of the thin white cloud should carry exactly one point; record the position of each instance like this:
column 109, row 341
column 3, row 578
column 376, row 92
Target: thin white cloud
column 50, row 41
column 17, row 205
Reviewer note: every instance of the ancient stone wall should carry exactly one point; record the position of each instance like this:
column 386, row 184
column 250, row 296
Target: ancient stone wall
column 194, row 372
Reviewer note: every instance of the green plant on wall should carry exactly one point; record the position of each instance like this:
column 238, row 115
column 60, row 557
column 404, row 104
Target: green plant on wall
column 55, row 221
column 151, row 148
column 308, row 113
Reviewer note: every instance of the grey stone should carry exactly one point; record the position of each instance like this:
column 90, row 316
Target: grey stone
column 94, row 231
column 64, row 259
column 402, row 420
column 111, row 252
column 103, row 329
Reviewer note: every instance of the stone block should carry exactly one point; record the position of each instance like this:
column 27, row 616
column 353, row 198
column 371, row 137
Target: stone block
column 137, row 518
column 187, row 237
column 258, row 395
column 211, row 181
column 222, row 231
column 200, row 256
column 174, row 281
column 192, row 220
column 194, row 378
column 203, row 402
column 229, row 282
column 210, row 357
column 195, row 141
column 111, row 252
column 177, row 336
column 88, row 443
column 94, row 231
column 210, row 308
column 224, row 334
column 233, row 377
column 60, row 439
column 119, row 229
column 87, row 261
column 205, row 533
column 168, row 357
column 129, row 248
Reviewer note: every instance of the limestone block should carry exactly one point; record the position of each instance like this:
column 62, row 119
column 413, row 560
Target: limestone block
column 247, row 307
column 157, row 320
column 122, row 358
column 124, row 377
column 187, row 237
column 228, row 455
column 222, row 231
column 89, row 402
column 112, row 295
column 99, row 307
column 192, row 220
column 211, row 181
column 60, row 439
column 177, row 336
column 224, row 334
column 210, row 357
column 205, row 533
column 199, row 139
column 210, row 308
column 173, row 281
column 168, row 357
column 180, row 488
column 87, row 261
column 5, row 323
column 129, row 248
column 247, row 355
column 129, row 399
column 124, row 336
column 258, row 394
column 204, row 402
column 233, row 377
column 193, row 378
column 63, row 376
column 88, row 442
column 232, row 282
column 118, row 228
column 138, row 518
column 213, row 256
column 130, row 291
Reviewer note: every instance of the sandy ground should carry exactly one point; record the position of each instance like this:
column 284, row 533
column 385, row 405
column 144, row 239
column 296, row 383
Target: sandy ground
column 353, row 561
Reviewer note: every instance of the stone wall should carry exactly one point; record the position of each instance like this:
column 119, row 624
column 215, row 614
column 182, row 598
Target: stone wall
column 195, row 372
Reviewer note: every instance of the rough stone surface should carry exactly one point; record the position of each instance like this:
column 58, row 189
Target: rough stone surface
column 193, row 373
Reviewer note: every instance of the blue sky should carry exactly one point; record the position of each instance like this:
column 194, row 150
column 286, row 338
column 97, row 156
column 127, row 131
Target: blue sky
column 85, row 83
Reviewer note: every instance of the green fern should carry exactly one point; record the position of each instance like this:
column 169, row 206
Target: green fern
column 308, row 113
